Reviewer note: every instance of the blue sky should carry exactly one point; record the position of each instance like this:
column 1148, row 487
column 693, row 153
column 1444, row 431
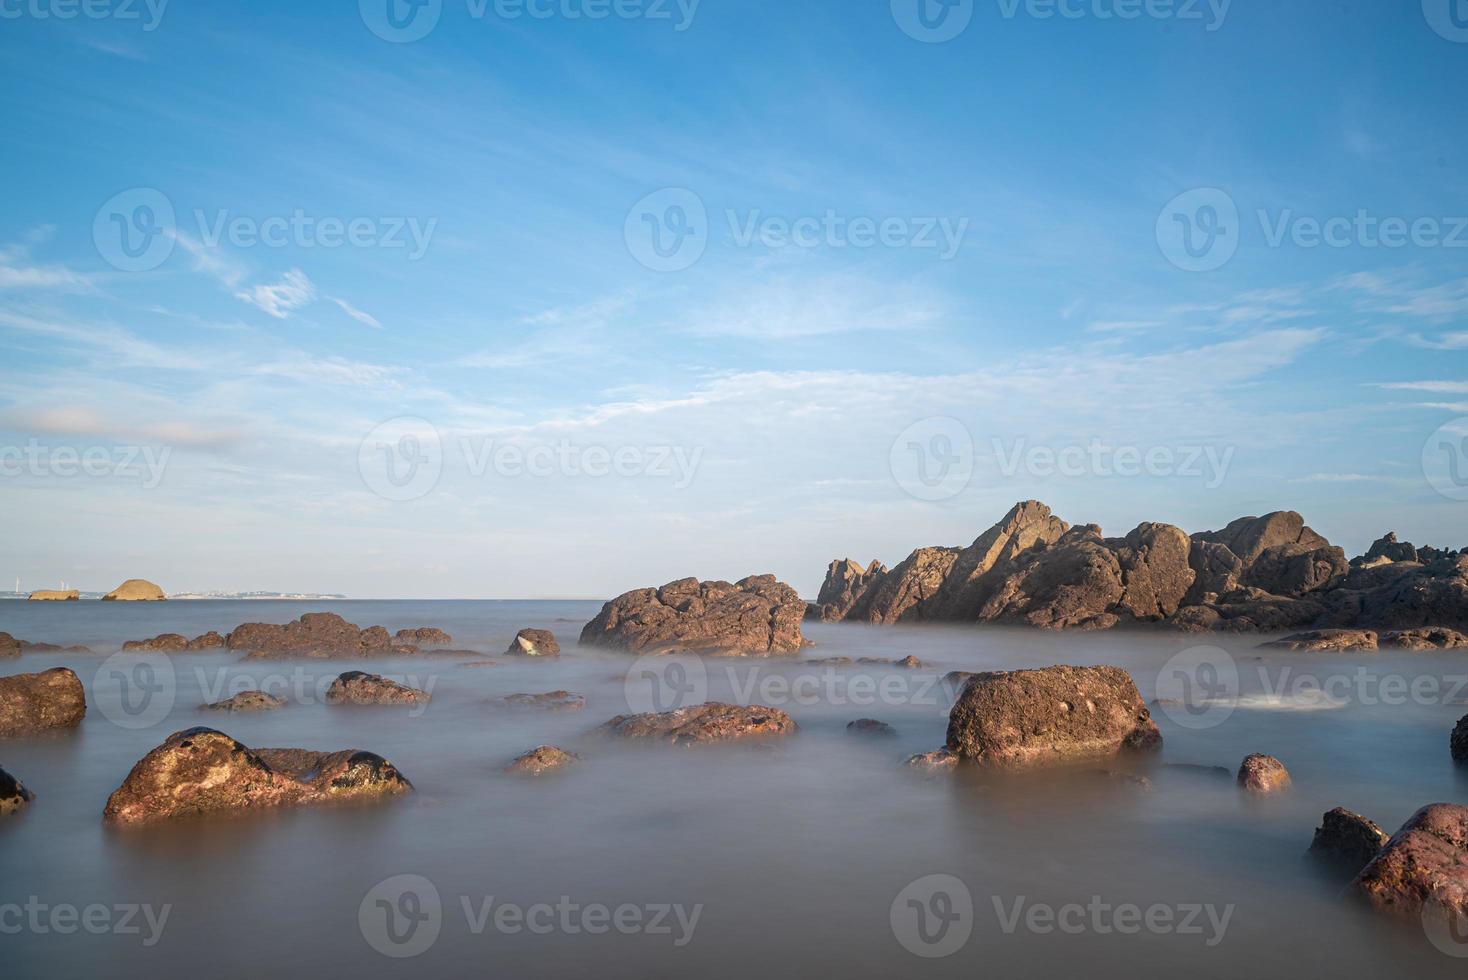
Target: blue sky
column 1022, row 291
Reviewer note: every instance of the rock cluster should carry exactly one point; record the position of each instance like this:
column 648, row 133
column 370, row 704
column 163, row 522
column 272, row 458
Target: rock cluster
column 542, row 759
column 202, row 771
column 135, row 590
column 13, row 794
column 329, row 636
column 534, row 643
column 35, row 703
column 1258, row 574
column 358, row 687
column 711, row 722
column 1426, row 861
column 756, row 616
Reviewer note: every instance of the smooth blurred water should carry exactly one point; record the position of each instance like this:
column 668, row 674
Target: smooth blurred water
column 795, row 853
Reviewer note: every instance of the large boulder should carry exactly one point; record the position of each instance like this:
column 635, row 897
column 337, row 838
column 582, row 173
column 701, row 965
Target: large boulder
column 359, row 687
column 1426, row 861
column 1263, row 774
column 1347, row 840
column 13, row 794
column 1431, row 638
column 1024, row 718
column 1387, row 546
column 248, row 701
column 756, row 616
column 711, row 722
column 162, row 643
column 135, row 590
column 534, row 643
column 35, row 703
column 424, row 638
column 1028, row 526
column 1155, row 571
column 1074, row 583
column 202, row 771
column 846, row 582
column 55, row 595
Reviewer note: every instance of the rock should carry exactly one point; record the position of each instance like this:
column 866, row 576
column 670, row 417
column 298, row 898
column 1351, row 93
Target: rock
column 13, row 794
column 1387, row 546
column 934, row 761
column 870, row 726
column 424, row 638
column 1155, row 572
column 56, row 595
column 831, row 662
column 1029, row 526
column 1195, row 769
column 550, row 701
column 202, row 771
column 711, row 722
column 534, row 643
column 27, row 646
column 542, row 759
column 756, row 616
column 909, row 662
column 357, row 687
column 1074, row 583
column 9, row 646
column 247, row 701
column 208, row 641
column 1426, row 861
column 135, row 590
column 1120, row 779
column 1425, row 639
column 906, row 593
column 1459, row 740
column 320, row 636
column 1263, row 774
column 162, row 643
column 34, row 703
column 1316, row 641
column 1216, row 570
column 1347, row 839
column 1018, row 719
column 846, row 582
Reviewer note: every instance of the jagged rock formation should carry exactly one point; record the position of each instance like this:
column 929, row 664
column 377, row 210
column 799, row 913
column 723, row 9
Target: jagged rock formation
column 1258, row 574
column 756, row 616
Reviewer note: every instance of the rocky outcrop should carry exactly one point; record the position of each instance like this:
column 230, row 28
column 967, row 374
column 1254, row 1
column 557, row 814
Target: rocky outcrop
column 534, row 643
column 711, row 722
column 757, row 616
column 202, row 771
column 870, row 726
column 549, row 701
column 248, row 701
column 1318, row 641
column 13, row 794
column 358, row 687
column 846, row 582
column 935, row 761
column 1026, row 718
column 543, row 759
column 1263, row 774
column 1425, row 639
column 56, row 595
column 9, row 646
column 1347, row 840
column 1458, row 742
column 208, row 641
column 1257, row 574
column 162, row 643
column 1426, row 861
column 135, row 590
column 34, row 703
column 320, row 636
column 423, row 638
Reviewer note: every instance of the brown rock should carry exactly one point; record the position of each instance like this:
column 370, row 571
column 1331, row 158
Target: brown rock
column 711, row 722
column 1263, row 774
column 162, row 643
column 1459, row 741
column 906, row 593
column 534, row 643
column 1155, row 573
column 549, row 701
column 1029, row 526
column 322, row 636
column 34, row 703
column 1327, row 640
column 870, row 726
column 756, row 616
column 1074, row 583
column 247, row 701
column 846, row 582
column 1426, row 861
column 424, row 638
column 135, row 590
column 357, row 687
column 934, row 761
column 9, row 646
column 1024, row 718
column 27, row 646
column 13, row 794
column 1347, row 839
column 909, row 662
column 208, row 641
column 1425, row 639
column 542, row 759
column 56, row 595
column 202, row 771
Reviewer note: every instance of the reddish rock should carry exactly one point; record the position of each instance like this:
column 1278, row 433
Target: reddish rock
column 248, row 701
column 202, row 771
column 13, row 794
column 534, row 643
column 424, row 638
column 846, row 582
column 9, row 646
column 1018, row 719
column 319, row 636
column 162, row 643
column 910, row 662
column 1316, row 641
column 34, row 703
column 756, row 616
column 550, row 701
column 208, row 641
column 1425, row 639
column 542, row 759
column 358, row 687
column 1263, row 774
column 870, row 726
column 1347, row 839
column 1426, row 861
column 909, row 591
column 934, row 761
column 711, row 722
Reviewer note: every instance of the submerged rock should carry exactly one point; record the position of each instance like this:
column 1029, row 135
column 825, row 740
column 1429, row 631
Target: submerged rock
column 534, row 643
column 135, row 590
column 1327, row 640
column 1347, row 839
column 208, row 641
column 542, row 759
column 359, row 687
column 202, row 771
column 1017, row 719
column 424, row 638
column 870, row 726
column 1426, row 861
column 1458, row 742
column 318, row 636
column 9, row 646
column 756, row 616
column 549, row 701
column 1263, row 774
column 13, row 794
column 711, row 722
column 934, row 761
column 1425, row 639
column 162, row 643
column 248, row 701
column 35, row 703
